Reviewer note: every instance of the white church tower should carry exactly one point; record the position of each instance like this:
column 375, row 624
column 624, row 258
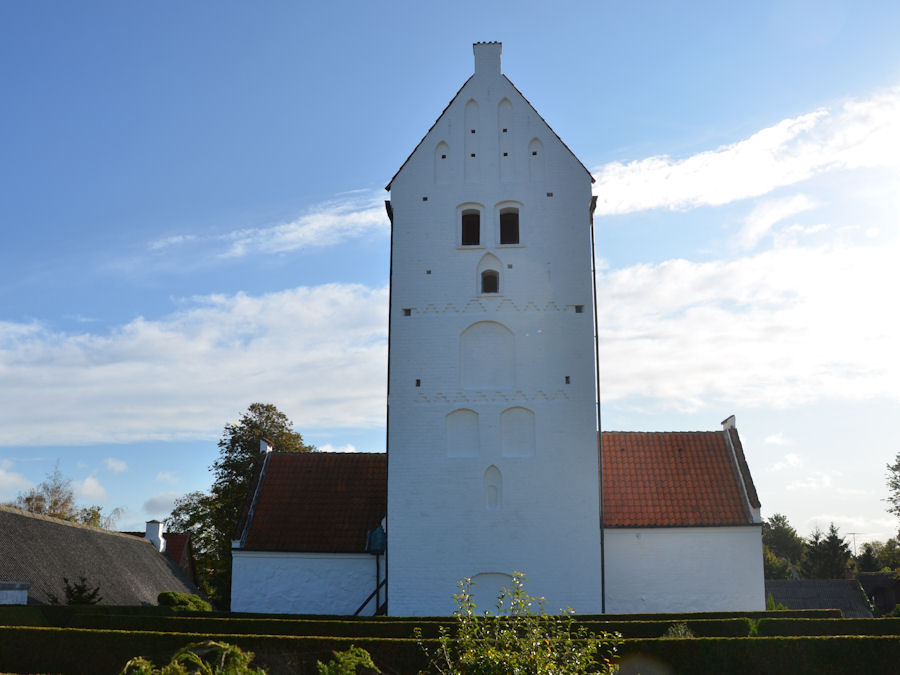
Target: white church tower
column 492, row 446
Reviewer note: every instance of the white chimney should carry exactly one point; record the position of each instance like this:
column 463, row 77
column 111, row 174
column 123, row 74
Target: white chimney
column 728, row 423
column 265, row 446
column 487, row 57
column 155, row 535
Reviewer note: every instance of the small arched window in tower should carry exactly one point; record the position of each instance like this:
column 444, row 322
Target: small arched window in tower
column 490, row 281
column 509, row 225
column 493, row 488
column 471, row 227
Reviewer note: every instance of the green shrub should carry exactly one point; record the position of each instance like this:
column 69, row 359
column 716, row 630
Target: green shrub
column 206, row 658
column 347, row 662
column 516, row 639
column 183, row 602
column 678, row 630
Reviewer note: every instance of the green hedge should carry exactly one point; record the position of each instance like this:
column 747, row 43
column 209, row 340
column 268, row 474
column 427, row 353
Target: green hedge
column 773, row 627
column 78, row 651
column 752, row 656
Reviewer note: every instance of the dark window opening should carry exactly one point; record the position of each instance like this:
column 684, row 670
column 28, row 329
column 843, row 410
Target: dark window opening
column 549, row 194
column 534, row 153
column 471, row 228
column 473, row 131
column 418, row 383
column 506, row 154
column 473, row 154
column 568, row 380
column 427, row 271
column 443, row 156
column 424, row 199
column 509, row 226
column 407, row 311
column 490, row 281
column 579, row 309
column 504, row 131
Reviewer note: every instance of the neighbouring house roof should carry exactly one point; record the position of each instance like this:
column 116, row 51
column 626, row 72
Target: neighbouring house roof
column 323, row 502
column 666, row 479
column 42, row 550
column 328, row 502
column 178, row 548
column 882, row 587
column 843, row 594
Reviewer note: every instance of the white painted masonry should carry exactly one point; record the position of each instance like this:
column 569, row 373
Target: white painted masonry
column 14, row 592
column 492, row 452
column 302, row 583
column 677, row 569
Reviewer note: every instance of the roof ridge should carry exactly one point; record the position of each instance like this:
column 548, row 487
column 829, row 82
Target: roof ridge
column 62, row 521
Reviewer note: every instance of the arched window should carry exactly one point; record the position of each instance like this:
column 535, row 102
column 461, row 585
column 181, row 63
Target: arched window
column 493, row 488
column 509, row 225
column 471, row 227
column 535, row 159
column 517, row 432
column 490, row 281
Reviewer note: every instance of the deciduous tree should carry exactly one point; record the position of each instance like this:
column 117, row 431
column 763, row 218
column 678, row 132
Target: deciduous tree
column 211, row 517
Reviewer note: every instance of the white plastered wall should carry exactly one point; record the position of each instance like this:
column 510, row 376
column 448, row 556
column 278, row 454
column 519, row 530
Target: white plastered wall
column 513, row 502
column 302, row 583
column 684, row 569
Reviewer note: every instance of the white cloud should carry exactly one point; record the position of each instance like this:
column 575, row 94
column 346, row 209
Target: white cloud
column 337, row 448
column 167, row 477
column 160, row 505
column 115, row 465
column 777, row 439
column 782, row 328
column 859, row 133
column 767, row 214
column 325, row 225
column 318, row 353
column 790, row 461
column 11, row 482
column 90, row 490
column 817, row 480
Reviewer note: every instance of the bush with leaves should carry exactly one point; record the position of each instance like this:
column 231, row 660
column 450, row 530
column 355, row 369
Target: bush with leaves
column 78, row 593
column 347, row 662
column 517, row 639
column 183, row 602
column 204, row 658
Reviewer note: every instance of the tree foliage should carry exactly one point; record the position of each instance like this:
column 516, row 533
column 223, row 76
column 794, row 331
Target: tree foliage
column 826, row 556
column 782, row 539
column 78, row 593
column 55, row 497
column 517, row 639
column 211, row 517
column 893, row 483
column 208, row 658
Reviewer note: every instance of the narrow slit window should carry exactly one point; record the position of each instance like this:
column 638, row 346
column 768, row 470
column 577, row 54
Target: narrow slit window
column 471, row 228
column 407, row 311
column 490, row 281
column 509, row 226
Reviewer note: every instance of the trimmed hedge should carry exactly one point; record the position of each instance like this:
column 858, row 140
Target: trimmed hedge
column 752, row 656
column 78, row 651
column 776, row 627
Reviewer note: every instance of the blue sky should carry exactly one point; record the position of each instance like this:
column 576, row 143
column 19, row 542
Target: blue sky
column 191, row 209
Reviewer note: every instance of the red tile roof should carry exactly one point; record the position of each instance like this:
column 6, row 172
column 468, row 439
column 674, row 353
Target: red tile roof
column 672, row 479
column 319, row 502
column 327, row 502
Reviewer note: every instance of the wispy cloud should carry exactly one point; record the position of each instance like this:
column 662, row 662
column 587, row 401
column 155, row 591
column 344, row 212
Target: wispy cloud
column 859, row 133
column 790, row 461
column 167, row 477
column 777, row 439
column 768, row 213
column 817, row 480
column 351, row 214
column 337, row 448
column 319, row 353
column 115, row 465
